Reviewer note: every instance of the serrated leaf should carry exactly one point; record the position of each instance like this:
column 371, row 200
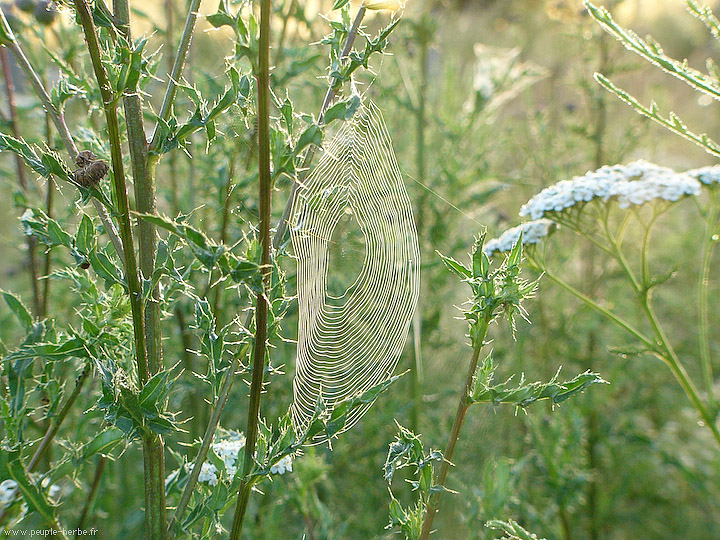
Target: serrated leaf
column 19, row 310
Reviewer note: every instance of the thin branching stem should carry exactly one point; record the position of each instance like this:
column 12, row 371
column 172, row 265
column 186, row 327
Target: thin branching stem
column 177, row 70
column 94, row 486
column 52, row 430
column 463, row 406
column 208, row 437
column 327, row 101
column 22, row 181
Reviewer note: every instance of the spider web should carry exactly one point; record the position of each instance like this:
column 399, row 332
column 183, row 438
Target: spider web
column 351, row 341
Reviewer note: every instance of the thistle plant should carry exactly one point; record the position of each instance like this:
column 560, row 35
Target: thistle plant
column 136, row 266
column 497, row 292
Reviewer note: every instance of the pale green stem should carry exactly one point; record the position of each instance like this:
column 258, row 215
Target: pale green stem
column 703, row 283
column 208, row 437
column 463, row 406
column 669, row 356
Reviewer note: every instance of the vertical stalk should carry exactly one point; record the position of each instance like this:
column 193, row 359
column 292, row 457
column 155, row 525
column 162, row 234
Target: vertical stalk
column 144, row 187
column 261, row 309
column 99, row 468
column 416, row 373
column 22, row 181
column 327, row 101
column 703, row 283
column 49, row 195
column 153, row 458
column 463, row 405
column 229, row 378
column 592, row 417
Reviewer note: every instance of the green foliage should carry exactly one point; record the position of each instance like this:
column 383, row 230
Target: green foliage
column 496, row 291
column 706, row 83
column 511, row 530
column 525, row 394
column 407, row 452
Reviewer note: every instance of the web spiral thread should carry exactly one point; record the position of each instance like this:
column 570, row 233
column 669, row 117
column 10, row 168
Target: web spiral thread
column 351, row 342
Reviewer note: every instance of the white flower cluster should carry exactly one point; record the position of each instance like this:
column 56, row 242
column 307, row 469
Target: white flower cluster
column 667, row 187
column 706, row 175
column 632, row 184
column 282, row 466
column 8, row 489
column 208, row 473
column 532, row 233
column 228, row 450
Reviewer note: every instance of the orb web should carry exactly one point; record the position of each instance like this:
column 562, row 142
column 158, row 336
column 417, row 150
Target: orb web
column 351, row 341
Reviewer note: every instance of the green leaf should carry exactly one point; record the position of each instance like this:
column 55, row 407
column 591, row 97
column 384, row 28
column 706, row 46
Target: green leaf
column 342, row 110
column 19, row 310
column 511, row 530
column 85, row 236
column 312, row 135
column 103, row 443
column 340, row 4
column 35, row 499
column 456, row 267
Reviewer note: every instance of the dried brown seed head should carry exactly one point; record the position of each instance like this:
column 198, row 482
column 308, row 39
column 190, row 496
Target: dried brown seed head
column 91, row 170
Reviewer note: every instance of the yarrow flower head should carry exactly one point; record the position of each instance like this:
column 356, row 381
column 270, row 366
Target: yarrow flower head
column 228, row 450
column 706, row 175
column 532, row 233
column 282, row 466
column 8, row 489
column 633, row 184
column 209, row 474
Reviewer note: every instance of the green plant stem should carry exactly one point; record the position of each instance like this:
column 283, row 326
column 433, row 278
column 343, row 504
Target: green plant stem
column 208, row 437
column 153, row 457
column 261, row 308
column 603, row 311
column 327, row 101
column 416, row 374
column 661, row 349
column 283, row 33
column 22, row 181
column 176, row 73
column 119, row 185
column 703, row 283
column 228, row 380
column 671, row 358
column 49, row 195
column 60, row 124
column 667, row 353
column 58, row 420
column 463, row 406
column 99, row 468
column 52, row 431
column 144, row 187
